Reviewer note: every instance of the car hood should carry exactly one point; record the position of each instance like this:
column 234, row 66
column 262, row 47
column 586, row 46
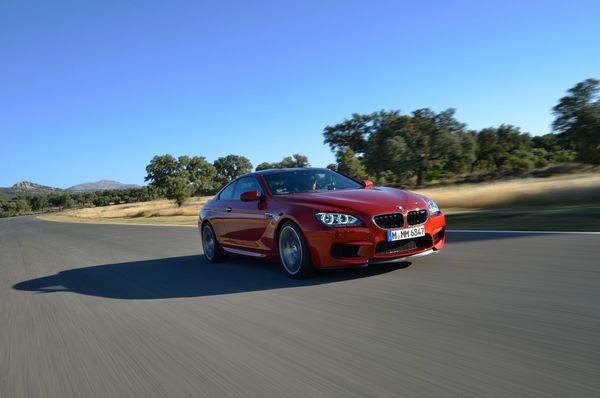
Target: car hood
column 380, row 199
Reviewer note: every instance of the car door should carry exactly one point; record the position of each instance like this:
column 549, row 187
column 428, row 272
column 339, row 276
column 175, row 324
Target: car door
column 248, row 220
column 221, row 212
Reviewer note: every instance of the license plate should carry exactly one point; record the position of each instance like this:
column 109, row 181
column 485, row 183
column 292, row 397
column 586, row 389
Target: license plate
column 407, row 233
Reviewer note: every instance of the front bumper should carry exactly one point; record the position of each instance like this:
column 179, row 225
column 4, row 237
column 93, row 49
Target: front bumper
column 347, row 247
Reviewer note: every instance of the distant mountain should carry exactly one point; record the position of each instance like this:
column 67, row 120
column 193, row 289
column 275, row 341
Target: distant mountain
column 101, row 185
column 27, row 188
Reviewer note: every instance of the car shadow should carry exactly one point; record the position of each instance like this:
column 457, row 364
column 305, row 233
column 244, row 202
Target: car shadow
column 185, row 276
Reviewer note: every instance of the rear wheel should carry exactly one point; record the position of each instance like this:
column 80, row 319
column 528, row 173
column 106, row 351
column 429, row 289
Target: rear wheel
column 210, row 245
column 293, row 251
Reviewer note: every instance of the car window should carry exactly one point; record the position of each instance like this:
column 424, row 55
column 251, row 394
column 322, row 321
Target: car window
column 227, row 192
column 247, row 184
column 309, row 180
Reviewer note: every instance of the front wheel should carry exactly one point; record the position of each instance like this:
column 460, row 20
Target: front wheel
column 210, row 245
column 293, row 251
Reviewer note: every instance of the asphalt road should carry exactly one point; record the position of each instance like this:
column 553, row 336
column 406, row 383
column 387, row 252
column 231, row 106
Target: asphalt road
column 116, row 311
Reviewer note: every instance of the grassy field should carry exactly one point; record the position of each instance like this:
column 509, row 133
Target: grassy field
column 156, row 212
column 555, row 191
column 570, row 202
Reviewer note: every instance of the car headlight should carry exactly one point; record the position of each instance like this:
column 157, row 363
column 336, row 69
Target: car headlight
column 434, row 210
column 338, row 220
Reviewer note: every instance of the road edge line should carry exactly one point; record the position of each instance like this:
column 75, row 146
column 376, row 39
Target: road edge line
column 500, row 231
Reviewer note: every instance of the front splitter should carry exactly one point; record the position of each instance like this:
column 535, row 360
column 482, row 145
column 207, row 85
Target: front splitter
column 400, row 259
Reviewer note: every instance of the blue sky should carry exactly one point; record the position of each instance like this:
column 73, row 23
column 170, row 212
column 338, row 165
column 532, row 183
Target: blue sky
column 93, row 90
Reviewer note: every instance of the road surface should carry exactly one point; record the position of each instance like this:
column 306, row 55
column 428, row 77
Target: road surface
column 115, row 311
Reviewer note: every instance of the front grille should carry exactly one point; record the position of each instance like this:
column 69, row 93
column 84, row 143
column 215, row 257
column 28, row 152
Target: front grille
column 392, row 220
column 400, row 246
column 415, row 217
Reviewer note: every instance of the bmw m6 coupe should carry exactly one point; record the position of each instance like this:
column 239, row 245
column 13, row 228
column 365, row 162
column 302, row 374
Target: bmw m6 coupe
column 311, row 218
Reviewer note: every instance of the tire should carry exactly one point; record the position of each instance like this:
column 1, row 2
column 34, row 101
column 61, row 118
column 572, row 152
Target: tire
column 210, row 245
column 293, row 251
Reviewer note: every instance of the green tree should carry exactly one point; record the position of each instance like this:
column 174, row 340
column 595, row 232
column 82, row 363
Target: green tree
column 201, row 175
column 297, row 160
column 160, row 169
column 38, row 202
column 67, row 201
column 578, row 120
column 390, row 155
column 264, row 166
column 487, row 150
column 399, row 147
column 349, row 164
column 464, row 158
column 352, row 133
column 504, row 148
column 554, row 148
column 179, row 188
column 199, row 172
column 101, row 201
column 436, row 141
column 231, row 167
column 9, row 209
column 21, row 206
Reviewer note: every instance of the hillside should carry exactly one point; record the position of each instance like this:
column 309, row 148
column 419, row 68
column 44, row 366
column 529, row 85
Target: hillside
column 27, row 188
column 101, row 185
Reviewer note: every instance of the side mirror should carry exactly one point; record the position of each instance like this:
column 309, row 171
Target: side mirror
column 367, row 183
column 249, row 196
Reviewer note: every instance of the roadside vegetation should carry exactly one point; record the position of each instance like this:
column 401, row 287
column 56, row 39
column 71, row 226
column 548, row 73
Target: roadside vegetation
column 568, row 202
column 562, row 202
column 42, row 203
column 420, row 151
column 425, row 147
column 562, row 189
column 162, row 211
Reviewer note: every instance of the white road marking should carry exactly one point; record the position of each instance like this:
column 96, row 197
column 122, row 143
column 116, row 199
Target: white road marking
column 495, row 231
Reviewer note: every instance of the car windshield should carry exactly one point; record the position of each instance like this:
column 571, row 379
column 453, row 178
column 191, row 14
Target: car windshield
column 309, row 180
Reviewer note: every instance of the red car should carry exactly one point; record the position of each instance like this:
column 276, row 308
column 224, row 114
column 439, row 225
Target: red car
column 311, row 218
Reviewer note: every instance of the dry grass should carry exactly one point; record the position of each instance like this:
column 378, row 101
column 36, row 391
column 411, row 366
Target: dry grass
column 572, row 189
column 157, row 208
column 168, row 220
column 571, row 194
column 155, row 212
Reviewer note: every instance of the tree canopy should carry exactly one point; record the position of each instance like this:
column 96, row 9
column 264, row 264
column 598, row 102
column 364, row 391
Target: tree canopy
column 394, row 148
column 578, row 120
column 231, row 167
column 288, row 162
column 180, row 178
column 196, row 171
column 411, row 149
